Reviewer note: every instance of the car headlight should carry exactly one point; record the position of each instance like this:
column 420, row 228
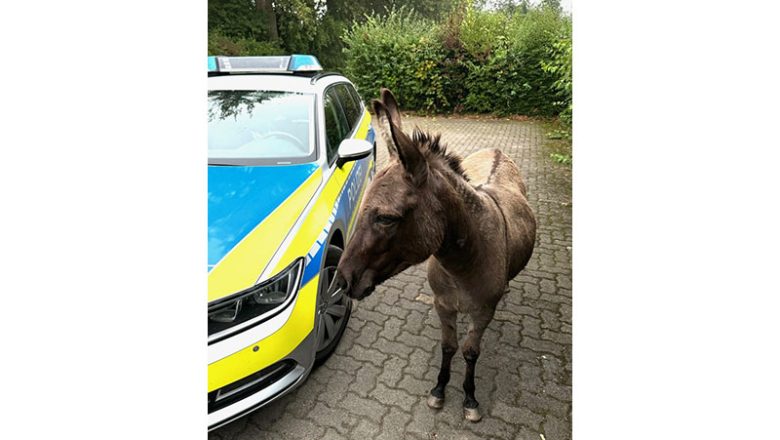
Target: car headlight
column 252, row 306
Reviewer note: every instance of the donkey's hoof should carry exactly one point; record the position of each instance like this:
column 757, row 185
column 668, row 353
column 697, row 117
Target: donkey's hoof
column 472, row 414
column 435, row 402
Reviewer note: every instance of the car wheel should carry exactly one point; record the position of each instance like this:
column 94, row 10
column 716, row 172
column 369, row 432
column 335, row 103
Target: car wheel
column 332, row 312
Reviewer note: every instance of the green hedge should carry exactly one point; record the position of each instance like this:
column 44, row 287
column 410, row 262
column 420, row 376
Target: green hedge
column 401, row 52
column 474, row 61
column 219, row 44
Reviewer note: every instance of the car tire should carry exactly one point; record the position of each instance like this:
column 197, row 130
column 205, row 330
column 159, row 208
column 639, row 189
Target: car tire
column 332, row 316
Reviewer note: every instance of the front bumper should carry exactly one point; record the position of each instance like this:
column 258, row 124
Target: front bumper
column 240, row 398
column 250, row 369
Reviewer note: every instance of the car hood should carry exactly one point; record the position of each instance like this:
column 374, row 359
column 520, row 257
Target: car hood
column 240, row 198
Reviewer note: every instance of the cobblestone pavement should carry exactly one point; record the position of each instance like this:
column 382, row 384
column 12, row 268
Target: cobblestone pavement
column 376, row 384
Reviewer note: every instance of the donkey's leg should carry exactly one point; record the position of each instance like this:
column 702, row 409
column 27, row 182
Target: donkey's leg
column 449, row 346
column 479, row 322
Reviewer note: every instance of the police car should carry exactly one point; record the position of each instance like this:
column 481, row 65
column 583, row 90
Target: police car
column 290, row 153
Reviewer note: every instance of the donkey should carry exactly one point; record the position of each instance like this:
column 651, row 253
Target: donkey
column 468, row 217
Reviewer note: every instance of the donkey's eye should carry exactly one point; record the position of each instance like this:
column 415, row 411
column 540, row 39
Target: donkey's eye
column 387, row 220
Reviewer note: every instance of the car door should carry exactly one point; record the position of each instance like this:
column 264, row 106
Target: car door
column 342, row 118
column 337, row 127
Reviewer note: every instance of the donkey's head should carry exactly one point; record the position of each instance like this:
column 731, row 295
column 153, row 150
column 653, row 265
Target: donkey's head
column 401, row 222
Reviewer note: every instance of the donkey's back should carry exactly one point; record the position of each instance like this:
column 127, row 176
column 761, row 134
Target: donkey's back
column 495, row 173
column 492, row 167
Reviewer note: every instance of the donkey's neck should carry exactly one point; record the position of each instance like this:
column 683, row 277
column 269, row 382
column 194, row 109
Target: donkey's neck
column 463, row 206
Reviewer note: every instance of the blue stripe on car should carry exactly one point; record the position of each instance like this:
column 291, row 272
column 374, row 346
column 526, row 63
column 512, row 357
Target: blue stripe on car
column 240, row 197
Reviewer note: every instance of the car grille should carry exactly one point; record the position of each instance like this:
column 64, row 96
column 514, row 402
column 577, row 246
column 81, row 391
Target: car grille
column 249, row 385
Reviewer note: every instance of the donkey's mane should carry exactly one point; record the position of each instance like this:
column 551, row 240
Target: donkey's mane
column 432, row 144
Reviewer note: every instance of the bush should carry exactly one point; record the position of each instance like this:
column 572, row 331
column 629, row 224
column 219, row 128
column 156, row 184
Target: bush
column 559, row 65
column 219, row 44
column 478, row 61
column 402, row 52
column 505, row 55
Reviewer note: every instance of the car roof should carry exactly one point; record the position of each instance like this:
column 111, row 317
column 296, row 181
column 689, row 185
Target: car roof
column 282, row 83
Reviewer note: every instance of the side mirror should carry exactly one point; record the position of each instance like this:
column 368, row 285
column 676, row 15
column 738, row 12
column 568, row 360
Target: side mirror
column 353, row 149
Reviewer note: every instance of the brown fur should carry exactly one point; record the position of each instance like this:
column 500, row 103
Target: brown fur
column 469, row 218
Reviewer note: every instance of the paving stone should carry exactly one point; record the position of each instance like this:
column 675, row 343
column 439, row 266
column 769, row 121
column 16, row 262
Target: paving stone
column 294, row 427
column 422, row 342
column 556, row 428
column 394, row 424
column 508, row 385
column 514, row 415
column 392, row 371
column 493, row 427
column 542, row 346
column 393, row 310
column 344, row 363
column 373, row 355
column 365, row 407
column 423, row 421
column 334, row 418
column 331, row 434
column 365, row 380
column 543, row 405
column 420, row 363
column 394, row 348
column 525, row 433
column 335, row 387
column 253, row 431
column 416, row 387
column 365, row 430
column 557, row 337
column 393, row 396
column 392, row 328
column 370, row 331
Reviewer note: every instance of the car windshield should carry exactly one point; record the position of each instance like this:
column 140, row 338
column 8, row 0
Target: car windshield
column 251, row 127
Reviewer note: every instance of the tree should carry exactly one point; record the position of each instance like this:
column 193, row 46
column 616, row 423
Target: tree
column 266, row 8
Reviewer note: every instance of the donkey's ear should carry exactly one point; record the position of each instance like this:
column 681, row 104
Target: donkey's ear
column 381, row 112
column 392, row 106
column 411, row 157
column 401, row 146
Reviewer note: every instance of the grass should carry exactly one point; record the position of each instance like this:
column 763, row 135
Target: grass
column 561, row 158
column 558, row 141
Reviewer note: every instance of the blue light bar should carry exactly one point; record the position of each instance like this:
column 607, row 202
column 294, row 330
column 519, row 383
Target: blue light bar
column 304, row 63
column 265, row 64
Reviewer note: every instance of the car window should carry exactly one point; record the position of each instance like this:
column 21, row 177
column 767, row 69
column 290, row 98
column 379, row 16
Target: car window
column 256, row 125
column 356, row 97
column 351, row 106
column 336, row 125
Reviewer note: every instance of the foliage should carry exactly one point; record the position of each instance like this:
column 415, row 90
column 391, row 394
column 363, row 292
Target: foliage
column 220, row 44
column 400, row 51
column 558, row 140
column 485, row 56
column 559, row 134
column 505, row 55
column 297, row 22
column 558, row 63
column 475, row 60
column 236, row 19
column 301, row 26
column 561, row 158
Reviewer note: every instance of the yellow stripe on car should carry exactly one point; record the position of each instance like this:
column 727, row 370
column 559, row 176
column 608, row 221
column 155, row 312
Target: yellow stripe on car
column 360, row 198
column 281, row 343
column 242, row 266
column 312, row 226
